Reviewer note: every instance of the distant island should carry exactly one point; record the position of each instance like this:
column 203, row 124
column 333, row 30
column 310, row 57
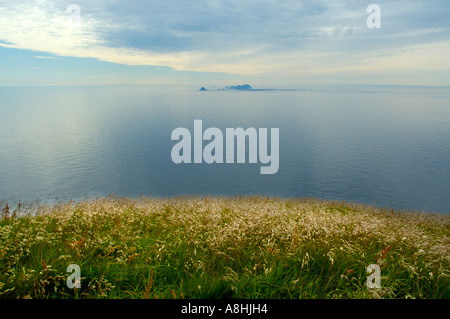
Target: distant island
column 245, row 87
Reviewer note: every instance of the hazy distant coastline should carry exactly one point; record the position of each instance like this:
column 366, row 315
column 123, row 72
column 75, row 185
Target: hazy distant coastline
column 247, row 87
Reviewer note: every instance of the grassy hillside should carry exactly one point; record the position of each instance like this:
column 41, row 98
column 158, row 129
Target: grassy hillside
column 242, row 247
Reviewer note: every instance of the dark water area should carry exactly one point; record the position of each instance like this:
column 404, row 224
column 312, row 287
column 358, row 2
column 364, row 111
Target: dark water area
column 384, row 146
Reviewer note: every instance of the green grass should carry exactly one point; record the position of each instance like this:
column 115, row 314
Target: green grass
column 242, row 247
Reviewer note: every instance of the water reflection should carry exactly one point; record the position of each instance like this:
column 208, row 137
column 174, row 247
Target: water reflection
column 379, row 146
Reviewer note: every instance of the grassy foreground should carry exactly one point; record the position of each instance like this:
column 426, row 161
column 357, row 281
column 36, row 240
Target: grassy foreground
column 242, row 247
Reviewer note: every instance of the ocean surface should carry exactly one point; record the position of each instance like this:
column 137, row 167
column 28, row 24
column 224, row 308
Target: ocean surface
column 385, row 146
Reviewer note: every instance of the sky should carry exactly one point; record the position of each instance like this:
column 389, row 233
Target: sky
column 214, row 42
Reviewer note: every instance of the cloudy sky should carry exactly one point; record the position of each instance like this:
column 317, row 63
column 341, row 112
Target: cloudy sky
column 263, row 42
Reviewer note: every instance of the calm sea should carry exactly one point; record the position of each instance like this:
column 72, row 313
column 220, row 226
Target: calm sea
column 378, row 145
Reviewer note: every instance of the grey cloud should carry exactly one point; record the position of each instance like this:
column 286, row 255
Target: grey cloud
column 174, row 26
